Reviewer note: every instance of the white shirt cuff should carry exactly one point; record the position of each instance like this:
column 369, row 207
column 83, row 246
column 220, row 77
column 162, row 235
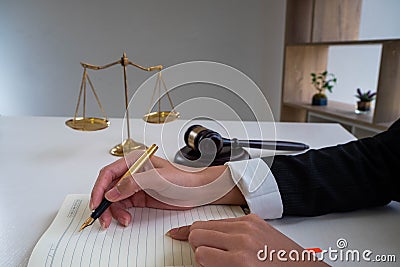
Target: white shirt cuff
column 258, row 185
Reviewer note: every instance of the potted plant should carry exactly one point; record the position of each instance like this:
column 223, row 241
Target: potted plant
column 322, row 81
column 365, row 99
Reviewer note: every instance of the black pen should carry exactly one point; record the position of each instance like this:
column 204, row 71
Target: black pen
column 133, row 169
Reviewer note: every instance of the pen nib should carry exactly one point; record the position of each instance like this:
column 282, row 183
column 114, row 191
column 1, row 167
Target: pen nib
column 88, row 222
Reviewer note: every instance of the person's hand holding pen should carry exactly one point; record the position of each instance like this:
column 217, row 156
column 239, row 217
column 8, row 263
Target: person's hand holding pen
column 163, row 178
column 227, row 242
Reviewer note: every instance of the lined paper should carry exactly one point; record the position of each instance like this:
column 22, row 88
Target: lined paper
column 142, row 243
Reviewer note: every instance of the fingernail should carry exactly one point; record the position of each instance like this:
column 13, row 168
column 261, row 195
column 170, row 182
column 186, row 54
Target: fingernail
column 113, row 194
column 172, row 232
column 102, row 224
column 123, row 221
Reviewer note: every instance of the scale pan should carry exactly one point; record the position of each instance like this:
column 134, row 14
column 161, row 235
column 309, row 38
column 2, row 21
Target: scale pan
column 87, row 124
column 161, row 116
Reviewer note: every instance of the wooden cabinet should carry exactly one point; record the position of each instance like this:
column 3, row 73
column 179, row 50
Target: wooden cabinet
column 312, row 27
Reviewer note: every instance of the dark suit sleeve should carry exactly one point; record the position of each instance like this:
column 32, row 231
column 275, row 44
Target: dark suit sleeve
column 359, row 174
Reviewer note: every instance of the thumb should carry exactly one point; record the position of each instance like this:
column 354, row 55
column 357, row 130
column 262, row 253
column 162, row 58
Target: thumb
column 180, row 233
column 125, row 188
column 130, row 185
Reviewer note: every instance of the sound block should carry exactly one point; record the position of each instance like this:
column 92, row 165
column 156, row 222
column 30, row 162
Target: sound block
column 188, row 157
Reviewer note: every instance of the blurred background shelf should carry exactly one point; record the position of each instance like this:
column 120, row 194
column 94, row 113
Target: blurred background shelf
column 312, row 28
column 360, row 125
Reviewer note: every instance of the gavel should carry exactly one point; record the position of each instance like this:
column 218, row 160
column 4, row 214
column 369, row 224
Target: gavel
column 204, row 140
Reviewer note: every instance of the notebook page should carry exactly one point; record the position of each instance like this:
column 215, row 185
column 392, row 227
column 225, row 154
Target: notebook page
column 142, row 243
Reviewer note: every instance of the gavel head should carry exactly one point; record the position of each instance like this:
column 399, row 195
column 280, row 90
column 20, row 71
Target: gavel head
column 203, row 140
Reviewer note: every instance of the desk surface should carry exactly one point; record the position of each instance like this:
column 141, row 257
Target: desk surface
column 42, row 161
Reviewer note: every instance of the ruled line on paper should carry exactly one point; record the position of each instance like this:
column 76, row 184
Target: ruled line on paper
column 142, row 243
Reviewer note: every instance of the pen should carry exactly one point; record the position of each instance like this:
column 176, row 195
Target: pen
column 133, row 169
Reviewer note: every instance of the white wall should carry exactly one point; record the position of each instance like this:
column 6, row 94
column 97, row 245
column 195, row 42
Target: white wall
column 358, row 66
column 43, row 41
column 380, row 19
column 355, row 67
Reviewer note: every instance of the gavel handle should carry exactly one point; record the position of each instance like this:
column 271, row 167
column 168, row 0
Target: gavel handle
column 272, row 145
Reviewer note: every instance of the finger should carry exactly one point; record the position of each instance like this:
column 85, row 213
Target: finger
column 105, row 219
column 209, row 238
column 182, row 233
column 179, row 233
column 230, row 225
column 112, row 173
column 106, row 176
column 212, row 257
column 119, row 212
column 123, row 189
column 130, row 185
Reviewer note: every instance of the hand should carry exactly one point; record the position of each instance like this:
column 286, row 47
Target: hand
column 237, row 242
column 160, row 184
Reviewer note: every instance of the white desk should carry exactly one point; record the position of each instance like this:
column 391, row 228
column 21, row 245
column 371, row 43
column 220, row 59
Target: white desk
column 42, row 161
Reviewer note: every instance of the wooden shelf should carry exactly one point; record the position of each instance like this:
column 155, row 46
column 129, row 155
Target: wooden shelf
column 345, row 43
column 341, row 111
column 312, row 26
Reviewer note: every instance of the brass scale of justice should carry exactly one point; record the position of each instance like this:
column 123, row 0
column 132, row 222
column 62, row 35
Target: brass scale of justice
column 93, row 124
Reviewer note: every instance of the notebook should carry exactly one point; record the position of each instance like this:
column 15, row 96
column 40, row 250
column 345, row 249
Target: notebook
column 142, row 243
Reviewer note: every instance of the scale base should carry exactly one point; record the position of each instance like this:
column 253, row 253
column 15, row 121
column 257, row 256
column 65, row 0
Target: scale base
column 125, row 147
column 188, row 157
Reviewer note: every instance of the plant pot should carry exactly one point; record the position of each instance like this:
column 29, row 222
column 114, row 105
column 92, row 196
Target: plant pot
column 363, row 107
column 319, row 99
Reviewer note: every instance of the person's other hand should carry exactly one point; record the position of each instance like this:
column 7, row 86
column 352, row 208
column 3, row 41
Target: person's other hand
column 171, row 183
column 237, row 242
